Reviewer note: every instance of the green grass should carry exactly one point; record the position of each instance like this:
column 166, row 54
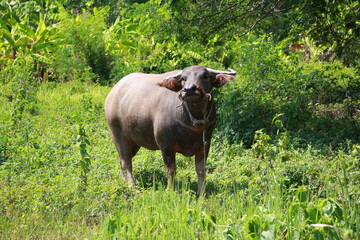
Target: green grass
column 272, row 191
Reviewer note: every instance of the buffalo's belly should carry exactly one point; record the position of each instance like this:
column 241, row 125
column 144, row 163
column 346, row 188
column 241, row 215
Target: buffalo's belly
column 179, row 139
column 190, row 148
column 146, row 143
column 141, row 136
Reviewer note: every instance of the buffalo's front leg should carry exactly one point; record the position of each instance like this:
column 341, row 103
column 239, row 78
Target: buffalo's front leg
column 170, row 166
column 200, row 159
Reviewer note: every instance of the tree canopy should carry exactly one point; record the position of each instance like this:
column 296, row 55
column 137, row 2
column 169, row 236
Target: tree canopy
column 328, row 24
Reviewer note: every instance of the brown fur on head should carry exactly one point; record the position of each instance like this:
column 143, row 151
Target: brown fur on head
column 172, row 84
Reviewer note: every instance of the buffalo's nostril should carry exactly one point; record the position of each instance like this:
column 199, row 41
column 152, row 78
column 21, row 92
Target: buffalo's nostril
column 190, row 87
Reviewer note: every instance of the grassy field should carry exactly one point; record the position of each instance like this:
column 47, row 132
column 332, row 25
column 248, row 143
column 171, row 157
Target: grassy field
column 59, row 179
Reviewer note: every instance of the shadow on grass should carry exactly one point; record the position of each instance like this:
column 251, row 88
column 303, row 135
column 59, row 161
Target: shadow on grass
column 156, row 178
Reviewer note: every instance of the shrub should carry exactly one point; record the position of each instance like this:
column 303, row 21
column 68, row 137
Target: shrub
column 83, row 47
column 19, row 87
column 316, row 100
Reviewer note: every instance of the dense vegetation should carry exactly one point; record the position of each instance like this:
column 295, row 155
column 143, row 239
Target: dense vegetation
column 285, row 158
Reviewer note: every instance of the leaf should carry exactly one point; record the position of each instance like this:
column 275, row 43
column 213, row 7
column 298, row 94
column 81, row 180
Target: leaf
column 96, row 11
column 78, row 18
column 314, row 213
column 296, row 211
column 41, row 24
column 10, row 18
column 129, row 43
column 3, row 25
column 317, row 235
column 23, row 41
column 132, row 27
column 279, row 124
column 41, row 58
column 193, row 54
column 269, row 233
column 4, row 61
column 332, row 209
column 105, row 9
column 189, row 217
column 27, row 30
column 41, row 46
column 303, row 194
column 8, row 36
column 253, row 225
column 40, row 38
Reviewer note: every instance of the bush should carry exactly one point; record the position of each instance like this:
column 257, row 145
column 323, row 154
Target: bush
column 19, row 87
column 83, row 54
column 315, row 100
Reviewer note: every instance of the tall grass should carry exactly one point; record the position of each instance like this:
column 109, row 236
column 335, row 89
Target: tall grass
column 298, row 214
column 271, row 191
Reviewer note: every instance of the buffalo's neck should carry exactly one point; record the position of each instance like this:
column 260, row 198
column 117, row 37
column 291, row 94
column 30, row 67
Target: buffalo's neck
column 200, row 110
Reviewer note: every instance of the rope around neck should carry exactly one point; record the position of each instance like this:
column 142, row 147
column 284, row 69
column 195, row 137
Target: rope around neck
column 196, row 122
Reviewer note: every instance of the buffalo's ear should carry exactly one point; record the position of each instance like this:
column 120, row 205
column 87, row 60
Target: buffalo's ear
column 222, row 79
column 172, row 83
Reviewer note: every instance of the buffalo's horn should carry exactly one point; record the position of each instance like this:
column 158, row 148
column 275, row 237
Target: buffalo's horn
column 232, row 71
column 173, row 76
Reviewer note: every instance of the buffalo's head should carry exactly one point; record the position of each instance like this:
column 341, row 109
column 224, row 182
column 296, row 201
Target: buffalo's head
column 197, row 81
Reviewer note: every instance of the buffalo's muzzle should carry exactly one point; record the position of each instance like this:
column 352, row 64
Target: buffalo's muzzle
column 192, row 90
column 190, row 87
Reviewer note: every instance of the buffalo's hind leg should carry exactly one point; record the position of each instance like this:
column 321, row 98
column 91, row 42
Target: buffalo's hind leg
column 126, row 150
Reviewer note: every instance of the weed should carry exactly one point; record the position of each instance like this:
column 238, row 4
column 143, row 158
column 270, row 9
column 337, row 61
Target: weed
column 85, row 161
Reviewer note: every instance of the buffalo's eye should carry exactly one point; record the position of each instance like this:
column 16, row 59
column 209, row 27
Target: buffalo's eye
column 205, row 76
column 182, row 79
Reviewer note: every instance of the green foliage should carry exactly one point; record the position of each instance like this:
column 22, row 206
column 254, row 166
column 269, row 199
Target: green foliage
column 322, row 217
column 329, row 23
column 284, row 161
column 29, row 35
column 85, row 162
column 314, row 99
column 20, row 88
column 255, row 193
column 84, row 33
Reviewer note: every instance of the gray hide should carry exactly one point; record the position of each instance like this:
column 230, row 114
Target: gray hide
column 173, row 112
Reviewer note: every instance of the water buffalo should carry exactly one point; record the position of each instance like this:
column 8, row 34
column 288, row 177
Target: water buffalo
column 173, row 112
